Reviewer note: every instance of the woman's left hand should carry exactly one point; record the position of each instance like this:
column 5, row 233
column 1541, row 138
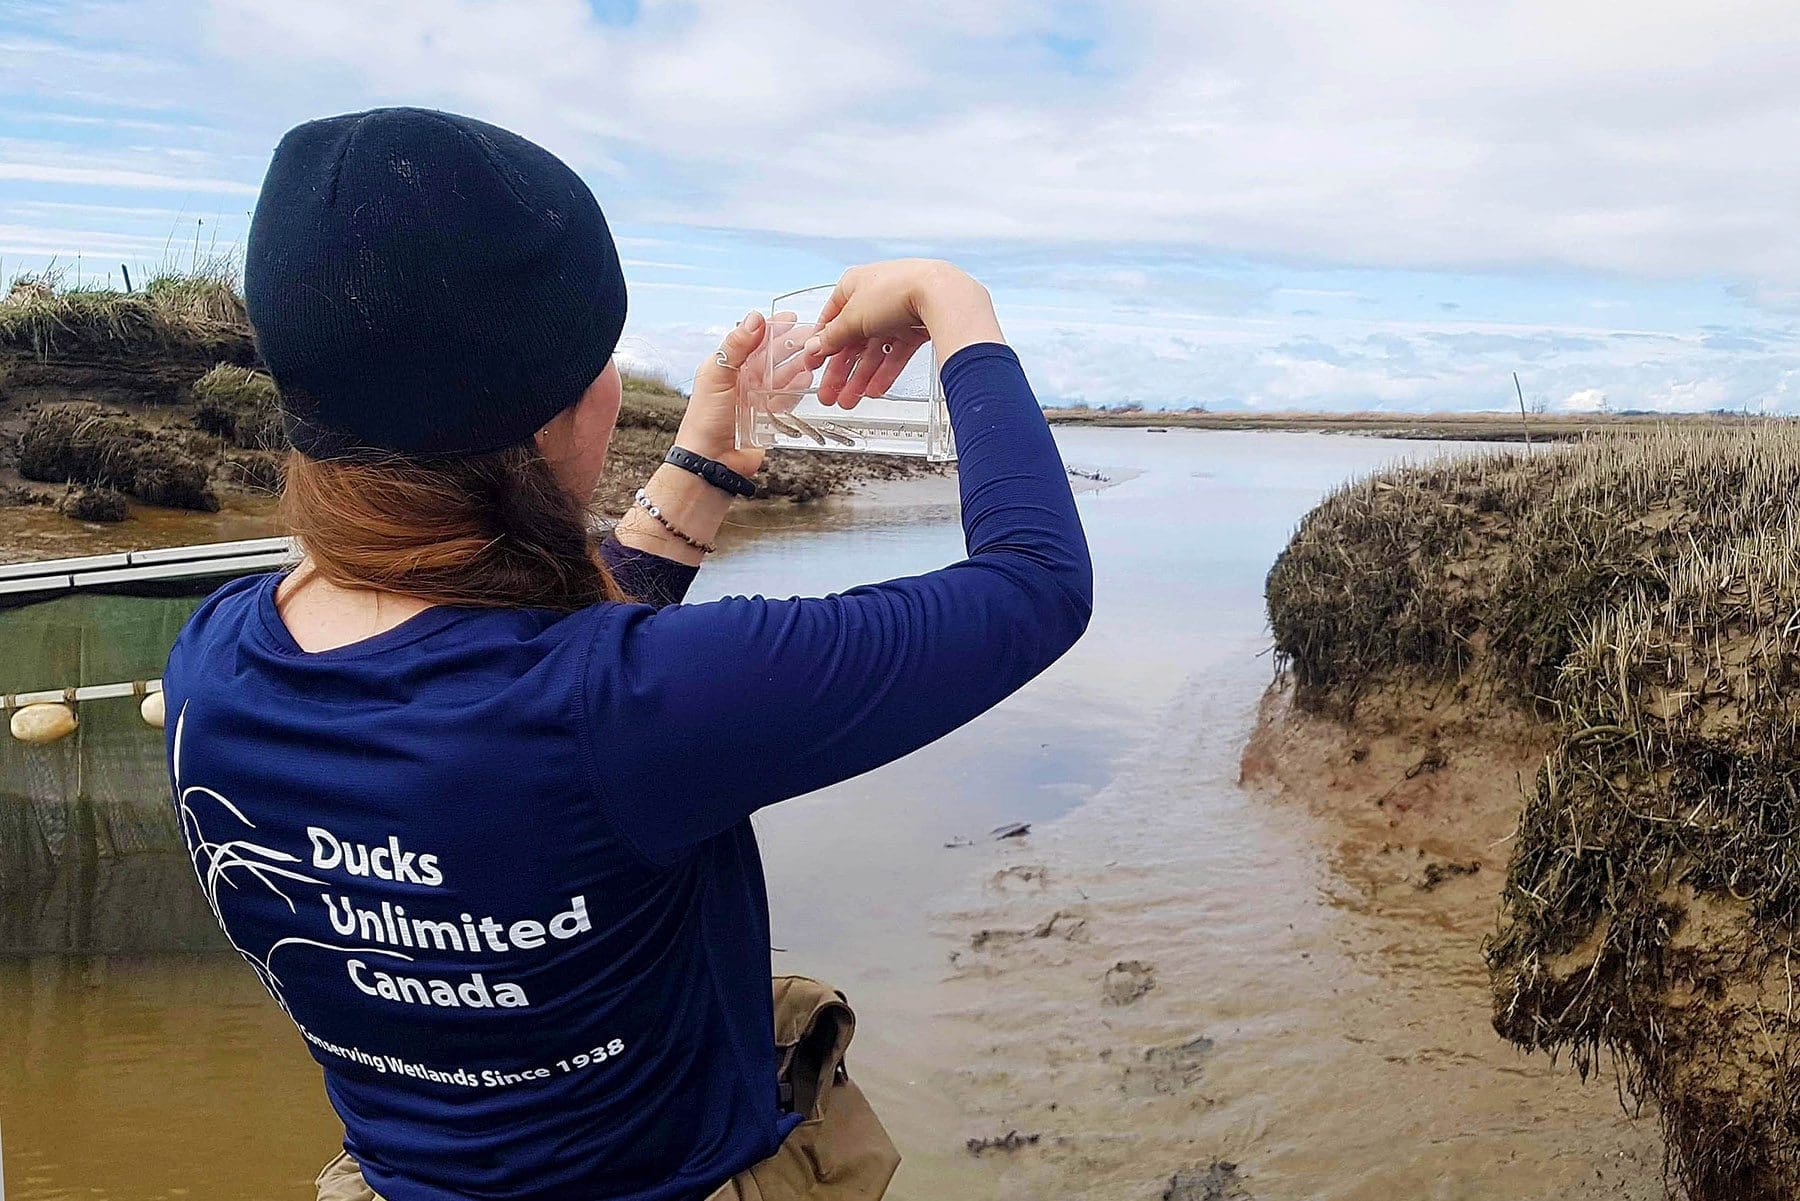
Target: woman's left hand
column 709, row 426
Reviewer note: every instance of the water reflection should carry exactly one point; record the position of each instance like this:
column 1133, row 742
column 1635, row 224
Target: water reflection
column 149, row 1078
column 145, row 903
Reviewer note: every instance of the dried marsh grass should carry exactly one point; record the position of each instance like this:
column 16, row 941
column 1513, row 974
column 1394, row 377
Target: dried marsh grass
column 1642, row 594
column 240, row 406
column 45, row 315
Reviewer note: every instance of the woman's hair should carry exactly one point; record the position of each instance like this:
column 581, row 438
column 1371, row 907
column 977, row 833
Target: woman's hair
column 493, row 529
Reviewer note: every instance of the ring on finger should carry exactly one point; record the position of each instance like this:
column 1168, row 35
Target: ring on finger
column 723, row 360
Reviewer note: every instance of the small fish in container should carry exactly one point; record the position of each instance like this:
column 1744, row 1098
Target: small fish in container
column 782, row 405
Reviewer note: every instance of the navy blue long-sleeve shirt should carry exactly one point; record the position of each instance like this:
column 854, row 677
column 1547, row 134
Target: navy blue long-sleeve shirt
column 497, row 864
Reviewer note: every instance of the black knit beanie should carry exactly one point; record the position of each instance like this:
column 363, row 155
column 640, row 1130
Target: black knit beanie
column 426, row 285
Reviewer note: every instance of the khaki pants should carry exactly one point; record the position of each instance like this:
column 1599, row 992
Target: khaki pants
column 840, row 1152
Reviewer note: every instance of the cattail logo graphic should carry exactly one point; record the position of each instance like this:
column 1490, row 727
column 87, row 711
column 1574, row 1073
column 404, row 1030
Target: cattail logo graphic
column 235, row 862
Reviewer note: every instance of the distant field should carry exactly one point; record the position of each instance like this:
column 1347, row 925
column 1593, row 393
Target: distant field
column 1474, row 427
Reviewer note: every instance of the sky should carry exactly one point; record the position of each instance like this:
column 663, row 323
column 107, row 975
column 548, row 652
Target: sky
column 1338, row 204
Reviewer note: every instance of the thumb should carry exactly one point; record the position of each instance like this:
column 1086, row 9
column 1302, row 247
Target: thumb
column 832, row 333
column 839, row 333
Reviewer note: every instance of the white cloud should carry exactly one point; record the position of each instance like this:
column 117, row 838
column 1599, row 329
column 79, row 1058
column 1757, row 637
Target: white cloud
column 1452, row 136
column 1563, row 140
column 1584, row 400
column 1691, row 396
column 116, row 177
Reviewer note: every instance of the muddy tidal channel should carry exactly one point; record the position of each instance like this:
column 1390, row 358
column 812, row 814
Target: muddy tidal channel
column 1154, row 991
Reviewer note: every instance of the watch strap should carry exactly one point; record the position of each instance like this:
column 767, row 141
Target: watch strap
column 710, row 470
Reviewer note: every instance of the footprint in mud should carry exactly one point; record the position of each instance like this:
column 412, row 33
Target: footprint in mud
column 986, row 938
column 1012, row 1140
column 1070, row 927
column 1063, row 924
column 1022, row 875
column 1169, row 1069
column 1437, row 873
column 1217, row 1181
column 1126, row 981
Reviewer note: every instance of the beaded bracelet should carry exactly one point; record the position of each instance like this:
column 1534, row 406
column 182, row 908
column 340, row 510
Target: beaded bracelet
column 642, row 501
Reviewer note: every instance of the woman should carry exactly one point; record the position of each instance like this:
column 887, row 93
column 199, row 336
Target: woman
column 479, row 823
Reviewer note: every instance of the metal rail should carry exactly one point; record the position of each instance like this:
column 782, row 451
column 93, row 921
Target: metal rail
column 163, row 563
column 69, row 696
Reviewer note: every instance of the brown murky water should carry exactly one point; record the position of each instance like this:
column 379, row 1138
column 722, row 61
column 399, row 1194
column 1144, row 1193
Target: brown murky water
column 33, row 533
column 1163, row 982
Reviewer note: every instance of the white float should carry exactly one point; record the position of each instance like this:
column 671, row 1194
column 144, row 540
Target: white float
column 42, row 724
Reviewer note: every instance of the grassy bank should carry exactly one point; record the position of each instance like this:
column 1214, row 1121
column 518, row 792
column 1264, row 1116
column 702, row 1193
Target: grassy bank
column 1641, row 596
column 112, row 399
column 1468, row 427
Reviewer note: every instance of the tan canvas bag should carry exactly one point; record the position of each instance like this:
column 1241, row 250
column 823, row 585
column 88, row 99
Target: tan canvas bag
column 839, row 1152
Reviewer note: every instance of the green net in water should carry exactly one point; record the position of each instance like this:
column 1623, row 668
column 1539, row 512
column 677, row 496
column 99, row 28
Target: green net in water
column 90, row 854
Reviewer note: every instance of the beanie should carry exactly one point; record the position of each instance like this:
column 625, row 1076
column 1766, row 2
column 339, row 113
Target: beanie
column 427, row 285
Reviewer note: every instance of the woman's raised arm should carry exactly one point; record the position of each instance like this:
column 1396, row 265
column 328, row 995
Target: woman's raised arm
column 701, row 714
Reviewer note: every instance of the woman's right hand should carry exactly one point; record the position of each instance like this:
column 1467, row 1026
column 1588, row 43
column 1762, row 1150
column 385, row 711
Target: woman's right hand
column 880, row 314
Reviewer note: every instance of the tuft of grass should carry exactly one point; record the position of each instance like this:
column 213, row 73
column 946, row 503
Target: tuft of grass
column 1642, row 595
column 94, row 503
column 240, row 405
column 85, row 445
column 260, row 471
column 651, row 403
column 645, row 382
column 206, row 296
column 44, row 314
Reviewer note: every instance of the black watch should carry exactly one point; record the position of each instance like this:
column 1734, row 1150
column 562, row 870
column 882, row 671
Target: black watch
column 710, row 470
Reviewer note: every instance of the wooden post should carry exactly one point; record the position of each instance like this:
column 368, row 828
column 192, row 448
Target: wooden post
column 127, row 271
column 1523, row 422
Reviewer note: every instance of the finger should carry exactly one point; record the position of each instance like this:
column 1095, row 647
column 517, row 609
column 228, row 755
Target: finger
column 780, row 344
column 824, row 339
column 777, row 371
column 837, row 374
column 760, row 371
column 893, row 363
column 719, row 371
column 781, row 366
column 743, row 338
column 786, row 339
column 793, row 375
column 874, row 358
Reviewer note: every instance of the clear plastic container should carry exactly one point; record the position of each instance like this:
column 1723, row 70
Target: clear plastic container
column 779, row 405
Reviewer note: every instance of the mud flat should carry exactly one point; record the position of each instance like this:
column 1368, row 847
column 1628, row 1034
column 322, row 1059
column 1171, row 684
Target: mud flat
column 1418, row 799
column 1611, row 625
column 1207, row 987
